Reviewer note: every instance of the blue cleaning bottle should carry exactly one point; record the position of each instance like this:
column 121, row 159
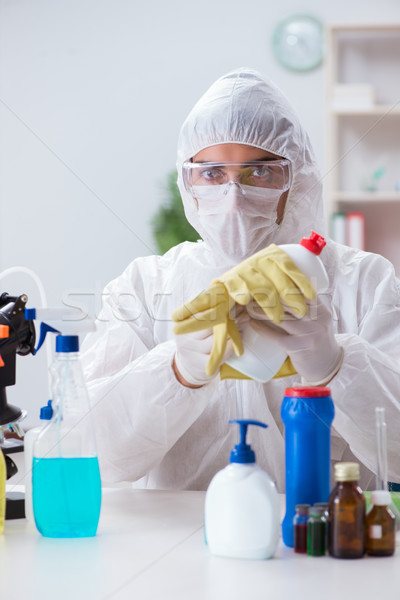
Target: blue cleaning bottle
column 66, row 484
column 307, row 413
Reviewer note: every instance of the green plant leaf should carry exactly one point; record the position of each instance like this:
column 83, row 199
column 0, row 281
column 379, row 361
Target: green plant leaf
column 169, row 224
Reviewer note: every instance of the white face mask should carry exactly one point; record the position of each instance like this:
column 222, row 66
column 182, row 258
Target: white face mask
column 238, row 224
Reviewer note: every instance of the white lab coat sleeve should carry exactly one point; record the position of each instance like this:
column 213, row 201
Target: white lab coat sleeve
column 139, row 409
column 370, row 374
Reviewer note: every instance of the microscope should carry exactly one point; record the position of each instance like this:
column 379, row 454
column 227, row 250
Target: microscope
column 17, row 336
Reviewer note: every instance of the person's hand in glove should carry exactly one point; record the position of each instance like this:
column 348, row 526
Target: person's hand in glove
column 269, row 277
column 193, row 352
column 310, row 343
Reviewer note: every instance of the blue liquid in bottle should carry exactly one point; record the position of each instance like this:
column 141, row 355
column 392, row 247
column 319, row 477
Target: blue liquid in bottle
column 66, row 496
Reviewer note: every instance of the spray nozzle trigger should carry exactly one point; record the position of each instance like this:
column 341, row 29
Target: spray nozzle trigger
column 68, row 322
column 242, row 452
column 44, row 330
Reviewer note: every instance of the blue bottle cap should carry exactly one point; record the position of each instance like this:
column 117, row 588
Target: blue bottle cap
column 46, row 412
column 30, row 314
column 242, row 452
column 67, row 343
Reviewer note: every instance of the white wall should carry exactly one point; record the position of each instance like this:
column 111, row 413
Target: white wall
column 92, row 95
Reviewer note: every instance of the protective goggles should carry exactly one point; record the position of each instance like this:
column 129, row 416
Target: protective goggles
column 272, row 175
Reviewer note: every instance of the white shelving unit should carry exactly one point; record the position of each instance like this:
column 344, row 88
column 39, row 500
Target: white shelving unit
column 363, row 130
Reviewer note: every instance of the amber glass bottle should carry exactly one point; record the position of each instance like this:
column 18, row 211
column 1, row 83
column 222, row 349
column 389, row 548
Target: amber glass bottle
column 380, row 525
column 346, row 508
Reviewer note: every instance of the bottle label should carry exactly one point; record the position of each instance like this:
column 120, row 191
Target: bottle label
column 375, row 532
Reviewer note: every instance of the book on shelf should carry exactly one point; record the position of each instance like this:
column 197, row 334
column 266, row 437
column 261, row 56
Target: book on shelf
column 349, row 229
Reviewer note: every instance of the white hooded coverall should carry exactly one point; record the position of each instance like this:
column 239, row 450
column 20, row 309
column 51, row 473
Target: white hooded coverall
column 151, row 429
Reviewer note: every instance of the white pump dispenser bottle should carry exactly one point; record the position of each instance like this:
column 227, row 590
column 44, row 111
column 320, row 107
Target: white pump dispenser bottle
column 242, row 516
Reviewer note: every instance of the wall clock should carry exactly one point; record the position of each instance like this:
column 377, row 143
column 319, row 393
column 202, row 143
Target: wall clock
column 298, row 42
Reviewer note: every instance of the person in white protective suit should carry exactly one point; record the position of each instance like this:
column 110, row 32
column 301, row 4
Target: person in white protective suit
column 160, row 420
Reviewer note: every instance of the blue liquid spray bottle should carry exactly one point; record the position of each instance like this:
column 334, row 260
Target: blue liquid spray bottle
column 66, row 485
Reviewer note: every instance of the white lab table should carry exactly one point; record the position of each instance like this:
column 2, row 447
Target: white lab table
column 150, row 545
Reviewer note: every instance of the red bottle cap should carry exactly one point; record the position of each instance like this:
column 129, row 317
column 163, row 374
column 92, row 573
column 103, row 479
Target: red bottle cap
column 308, row 392
column 315, row 243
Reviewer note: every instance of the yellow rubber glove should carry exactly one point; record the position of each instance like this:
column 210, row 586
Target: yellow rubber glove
column 211, row 309
column 269, row 277
column 272, row 279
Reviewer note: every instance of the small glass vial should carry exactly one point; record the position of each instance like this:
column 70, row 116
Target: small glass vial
column 316, row 531
column 346, row 513
column 380, row 525
column 300, row 520
column 323, row 505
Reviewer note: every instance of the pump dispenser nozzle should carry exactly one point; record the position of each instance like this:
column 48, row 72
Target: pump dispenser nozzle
column 242, row 452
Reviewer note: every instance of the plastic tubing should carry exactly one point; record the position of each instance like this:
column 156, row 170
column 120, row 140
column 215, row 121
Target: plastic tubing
column 381, row 456
column 381, row 449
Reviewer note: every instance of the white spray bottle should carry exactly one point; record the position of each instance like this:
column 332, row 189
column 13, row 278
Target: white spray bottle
column 66, row 484
column 242, row 514
column 262, row 359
